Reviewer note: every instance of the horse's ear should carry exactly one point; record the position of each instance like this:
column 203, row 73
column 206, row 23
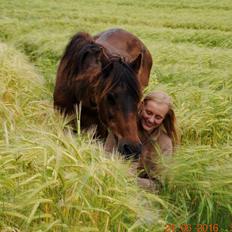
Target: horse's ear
column 135, row 64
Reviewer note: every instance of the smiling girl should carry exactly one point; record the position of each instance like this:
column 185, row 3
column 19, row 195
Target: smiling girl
column 157, row 132
column 157, row 129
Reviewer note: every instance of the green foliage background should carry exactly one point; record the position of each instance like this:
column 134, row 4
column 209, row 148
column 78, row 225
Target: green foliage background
column 52, row 180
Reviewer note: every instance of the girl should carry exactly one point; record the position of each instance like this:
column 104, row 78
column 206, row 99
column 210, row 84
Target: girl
column 157, row 132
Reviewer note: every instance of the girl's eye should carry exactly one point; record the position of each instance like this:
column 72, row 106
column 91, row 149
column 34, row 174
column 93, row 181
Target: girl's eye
column 158, row 117
column 148, row 112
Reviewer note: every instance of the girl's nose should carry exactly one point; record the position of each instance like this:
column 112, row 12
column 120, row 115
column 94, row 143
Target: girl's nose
column 151, row 119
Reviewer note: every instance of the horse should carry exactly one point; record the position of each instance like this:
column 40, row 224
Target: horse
column 106, row 73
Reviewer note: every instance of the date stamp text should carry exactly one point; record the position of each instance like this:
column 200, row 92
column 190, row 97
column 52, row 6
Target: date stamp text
column 191, row 228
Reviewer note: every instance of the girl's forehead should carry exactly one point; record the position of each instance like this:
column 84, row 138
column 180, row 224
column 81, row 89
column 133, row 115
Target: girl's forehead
column 156, row 107
column 155, row 104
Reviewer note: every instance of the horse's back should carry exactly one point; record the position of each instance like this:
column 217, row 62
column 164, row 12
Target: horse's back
column 119, row 42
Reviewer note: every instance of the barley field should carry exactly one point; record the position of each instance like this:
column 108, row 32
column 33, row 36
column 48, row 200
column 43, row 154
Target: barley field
column 54, row 180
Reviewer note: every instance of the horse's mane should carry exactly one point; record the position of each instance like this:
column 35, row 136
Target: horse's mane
column 123, row 76
column 75, row 52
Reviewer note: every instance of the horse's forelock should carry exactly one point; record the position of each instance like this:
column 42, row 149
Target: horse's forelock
column 118, row 73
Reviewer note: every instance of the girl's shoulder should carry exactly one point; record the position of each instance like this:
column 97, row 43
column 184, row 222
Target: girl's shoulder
column 160, row 135
column 165, row 143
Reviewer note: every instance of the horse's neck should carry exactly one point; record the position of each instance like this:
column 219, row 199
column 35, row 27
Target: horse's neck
column 85, row 93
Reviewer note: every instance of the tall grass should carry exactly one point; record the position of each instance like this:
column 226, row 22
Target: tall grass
column 53, row 180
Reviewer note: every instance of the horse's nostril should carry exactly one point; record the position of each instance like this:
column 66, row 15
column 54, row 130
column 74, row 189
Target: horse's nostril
column 127, row 149
column 131, row 151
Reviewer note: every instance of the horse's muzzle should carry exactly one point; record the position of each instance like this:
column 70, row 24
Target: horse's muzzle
column 130, row 150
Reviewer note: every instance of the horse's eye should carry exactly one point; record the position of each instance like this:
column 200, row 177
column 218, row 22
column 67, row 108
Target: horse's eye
column 111, row 99
column 110, row 115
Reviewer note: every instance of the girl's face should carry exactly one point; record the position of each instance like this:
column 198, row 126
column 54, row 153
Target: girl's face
column 152, row 115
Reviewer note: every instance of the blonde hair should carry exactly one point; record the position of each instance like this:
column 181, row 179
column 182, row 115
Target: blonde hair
column 169, row 121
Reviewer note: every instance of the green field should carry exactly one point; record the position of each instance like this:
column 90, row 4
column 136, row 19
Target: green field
column 52, row 180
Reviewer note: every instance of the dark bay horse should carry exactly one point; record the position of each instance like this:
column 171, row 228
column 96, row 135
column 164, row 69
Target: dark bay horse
column 107, row 74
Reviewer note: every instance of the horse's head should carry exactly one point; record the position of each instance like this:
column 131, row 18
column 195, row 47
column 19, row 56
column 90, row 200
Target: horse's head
column 118, row 95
